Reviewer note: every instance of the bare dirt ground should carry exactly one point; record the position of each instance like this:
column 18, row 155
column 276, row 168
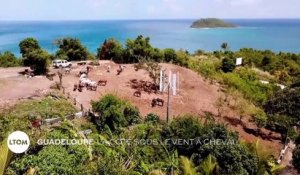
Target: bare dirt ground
column 195, row 95
column 14, row 86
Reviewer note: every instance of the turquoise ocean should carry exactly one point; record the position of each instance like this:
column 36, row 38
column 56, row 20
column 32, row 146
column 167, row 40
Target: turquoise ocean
column 273, row 34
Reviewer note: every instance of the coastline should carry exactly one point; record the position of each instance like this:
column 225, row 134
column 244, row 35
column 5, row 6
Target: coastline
column 265, row 33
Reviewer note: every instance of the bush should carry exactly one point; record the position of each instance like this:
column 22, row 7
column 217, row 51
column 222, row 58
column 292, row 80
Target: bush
column 28, row 45
column 18, row 116
column 228, row 65
column 252, row 90
column 152, row 118
column 285, row 102
column 111, row 49
column 54, row 159
column 206, row 67
column 170, row 55
column 38, row 61
column 72, row 49
column 182, row 58
column 280, row 123
column 115, row 113
column 8, row 59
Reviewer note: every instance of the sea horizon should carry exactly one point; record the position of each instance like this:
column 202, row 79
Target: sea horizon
column 276, row 34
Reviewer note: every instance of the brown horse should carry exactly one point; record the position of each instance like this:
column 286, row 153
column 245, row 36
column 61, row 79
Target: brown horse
column 137, row 93
column 102, row 82
column 157, row 101
column 75, row 87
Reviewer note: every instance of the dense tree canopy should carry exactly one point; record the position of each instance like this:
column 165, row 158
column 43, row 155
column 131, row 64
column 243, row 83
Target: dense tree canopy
column 72, row 49
column 228, row 65
column 33, row 56
column 169, row 54
column 286, row 102
column 38, row 60
column 8, row 59
column 28, row 45
column 111, row 49
column 52, row 159
column 115, row 113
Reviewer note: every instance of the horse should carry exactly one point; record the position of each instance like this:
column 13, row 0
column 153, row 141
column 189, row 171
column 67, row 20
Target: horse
column 119, row 71
column 157, row 101
column 137, row 93
column 92, row 85
column 75, row 87
column 102, row 82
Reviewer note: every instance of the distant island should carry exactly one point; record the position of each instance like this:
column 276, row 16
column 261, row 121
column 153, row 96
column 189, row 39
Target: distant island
column 211, row 23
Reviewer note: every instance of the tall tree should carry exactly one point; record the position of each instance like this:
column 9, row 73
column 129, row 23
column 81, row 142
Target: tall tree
column 138, row 49
column 28, row 45
column 111, row 49
column 72, row 49
column 33, row 56
column 38, row 61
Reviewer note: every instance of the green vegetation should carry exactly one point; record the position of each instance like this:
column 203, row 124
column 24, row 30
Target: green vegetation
column 38, row 61
column 8, row 59
column 286, row 102
column 19, row 116
column 33, row 56
column 242, row 83
column 211, row 23
column 264, row 103
column 283, row 109
column 228, row 65
column 52, row 159
column 115, row 113
column 152, row 118
column 5, row 156
column 72, row 50
column 150, row 150
column 28, row 45
column 111, row 49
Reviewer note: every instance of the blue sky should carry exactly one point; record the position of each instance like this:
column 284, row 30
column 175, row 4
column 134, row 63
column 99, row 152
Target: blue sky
column 146, row 9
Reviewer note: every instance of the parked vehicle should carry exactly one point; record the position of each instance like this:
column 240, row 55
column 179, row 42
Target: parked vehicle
column 61, row 63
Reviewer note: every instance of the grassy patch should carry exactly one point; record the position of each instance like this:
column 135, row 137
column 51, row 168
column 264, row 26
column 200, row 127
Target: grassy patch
column 19, row 116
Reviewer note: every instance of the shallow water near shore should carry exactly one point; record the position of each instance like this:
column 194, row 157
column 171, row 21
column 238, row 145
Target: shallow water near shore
column 276, row 34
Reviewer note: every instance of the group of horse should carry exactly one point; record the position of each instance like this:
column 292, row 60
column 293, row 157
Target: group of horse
column 92, row 85
column 88, row 83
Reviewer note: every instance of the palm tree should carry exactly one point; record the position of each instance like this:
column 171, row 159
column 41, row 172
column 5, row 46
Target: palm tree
column 224, row 46
column 187, row 167
column 208, row 165
column 266, row 163
column 5, row 156
column 171, row 163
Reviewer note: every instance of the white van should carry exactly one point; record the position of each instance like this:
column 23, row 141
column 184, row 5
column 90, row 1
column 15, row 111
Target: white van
column 61, row 63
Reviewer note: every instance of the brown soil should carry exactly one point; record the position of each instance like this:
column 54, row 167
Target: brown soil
column 195, row 95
